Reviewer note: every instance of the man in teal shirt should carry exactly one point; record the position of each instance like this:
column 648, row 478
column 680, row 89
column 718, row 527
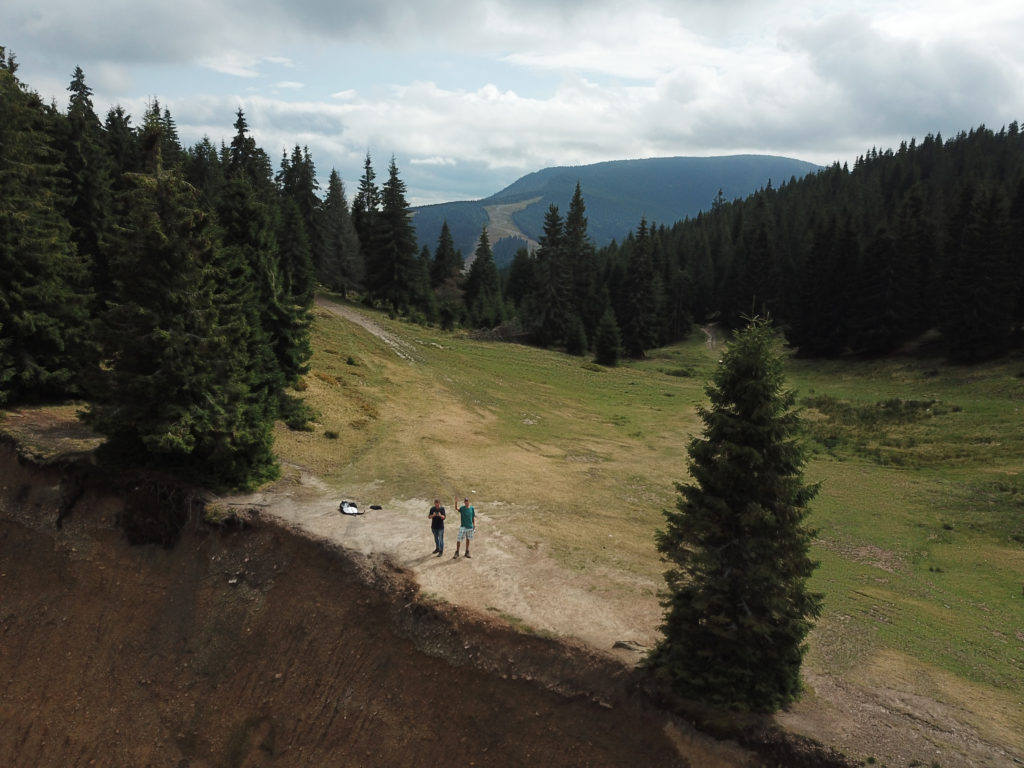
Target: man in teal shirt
column 467, row 524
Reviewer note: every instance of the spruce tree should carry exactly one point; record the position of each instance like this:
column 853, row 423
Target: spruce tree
column 393, row 273
column 177, row 393
column 44, row 282
column 447, row 264
column 608, row 341
column 366, row 214
column 582, row 266
column 548, row 312
column 339, row 261
column 446, row 278
column 640, row 310
column 87, row 170
column 483, row 287
column 737, row 607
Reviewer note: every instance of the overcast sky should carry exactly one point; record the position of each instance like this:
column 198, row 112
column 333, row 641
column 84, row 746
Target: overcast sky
column 469, row 96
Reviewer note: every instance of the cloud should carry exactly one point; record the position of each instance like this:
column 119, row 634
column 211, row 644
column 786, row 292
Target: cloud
column 468, row 96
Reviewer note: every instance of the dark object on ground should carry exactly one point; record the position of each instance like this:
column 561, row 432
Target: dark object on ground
column 376, row 506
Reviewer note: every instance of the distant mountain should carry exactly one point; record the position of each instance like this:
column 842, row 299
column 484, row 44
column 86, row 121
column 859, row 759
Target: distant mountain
column 617, row 194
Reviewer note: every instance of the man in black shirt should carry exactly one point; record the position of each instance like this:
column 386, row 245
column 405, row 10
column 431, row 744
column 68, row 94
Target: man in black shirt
column 436, row 515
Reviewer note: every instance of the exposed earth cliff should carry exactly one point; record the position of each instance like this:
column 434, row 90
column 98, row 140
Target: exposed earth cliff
column 252, row 644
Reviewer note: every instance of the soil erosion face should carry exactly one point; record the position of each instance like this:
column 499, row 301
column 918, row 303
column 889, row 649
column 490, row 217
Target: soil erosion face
column 262, row 647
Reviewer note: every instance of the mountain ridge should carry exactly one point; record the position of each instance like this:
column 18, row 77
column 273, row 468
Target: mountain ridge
column 617, row 194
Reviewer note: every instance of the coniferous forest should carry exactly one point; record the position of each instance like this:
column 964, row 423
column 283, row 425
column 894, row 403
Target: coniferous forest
column 172, row 287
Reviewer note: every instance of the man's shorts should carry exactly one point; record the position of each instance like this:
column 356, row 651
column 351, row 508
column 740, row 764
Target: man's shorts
column 464, row 533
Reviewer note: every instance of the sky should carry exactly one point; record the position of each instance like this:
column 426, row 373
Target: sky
column 469, row 96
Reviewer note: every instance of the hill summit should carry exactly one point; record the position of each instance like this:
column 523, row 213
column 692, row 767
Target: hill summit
column 617, row 193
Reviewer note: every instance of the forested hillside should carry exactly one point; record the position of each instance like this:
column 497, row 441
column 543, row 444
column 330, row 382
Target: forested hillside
column 618, row 192
column 926, row 239
column 171, row 287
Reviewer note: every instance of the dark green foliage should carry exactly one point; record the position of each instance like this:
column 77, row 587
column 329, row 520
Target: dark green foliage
column 639, row 308
column 339, row 262
column 575, row 337
column 983, row 283
column 850, row 262
column 581, row 262
column 87, row 170
column 44, row 282
column 293, row 302
column 175, row 392
column 483, row 287
column 547, row 313
column 447, row 263
column 608, row 342
column 394, row 275
column 737, row 609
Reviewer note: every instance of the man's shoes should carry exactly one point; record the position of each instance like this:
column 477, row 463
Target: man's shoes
column 434, row 552
column 438, row 554
column 455, row 556
column 467, row 554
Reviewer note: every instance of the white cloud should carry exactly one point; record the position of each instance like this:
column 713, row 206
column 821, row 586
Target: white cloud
column 468, row 96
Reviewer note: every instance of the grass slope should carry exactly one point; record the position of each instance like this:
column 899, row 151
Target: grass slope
column 920, row 516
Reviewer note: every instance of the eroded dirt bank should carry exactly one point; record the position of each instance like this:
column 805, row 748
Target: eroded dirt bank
column 262, row 647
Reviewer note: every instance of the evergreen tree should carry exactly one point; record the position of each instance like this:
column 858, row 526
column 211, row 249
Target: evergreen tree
column 294, row 307
column 640, row 312
column 548, row 312
column 608, row 341
column 87, row 169
column 122, row 145
column 445, row 277
column 447, row 264
column 176, row 391
column 203, row 168
column 483, row 287
column 246, row 160
column 393, row 275
column 44, row 283
column 582, row 267
column 981, row 285
column 737, row 609
column 297, row 182
column 366, row 212
column 521, row 279
column 575, row 337
column 339, row 261
column 269, row 248
column 883, row 297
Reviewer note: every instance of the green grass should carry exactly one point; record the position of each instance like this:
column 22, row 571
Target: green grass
column 921, row 510
column 920, row 515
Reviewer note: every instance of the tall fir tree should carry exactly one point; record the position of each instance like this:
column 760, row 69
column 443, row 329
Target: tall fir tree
column 447, row 264
column 639, row 313
column 981, row 289
column 87, row 169
column 393, row 274
column 339, row 260
column 177, row 393
column 580, row 258
column 44, row 282
column 608, row 340
column 483, row 287
column 547, row 314
column 366, row 212
column 446, row 279
column 297, row 182
column 737, row 606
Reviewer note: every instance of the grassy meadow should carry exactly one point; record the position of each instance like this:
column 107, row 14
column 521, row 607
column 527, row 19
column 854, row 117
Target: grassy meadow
column 920, row 514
